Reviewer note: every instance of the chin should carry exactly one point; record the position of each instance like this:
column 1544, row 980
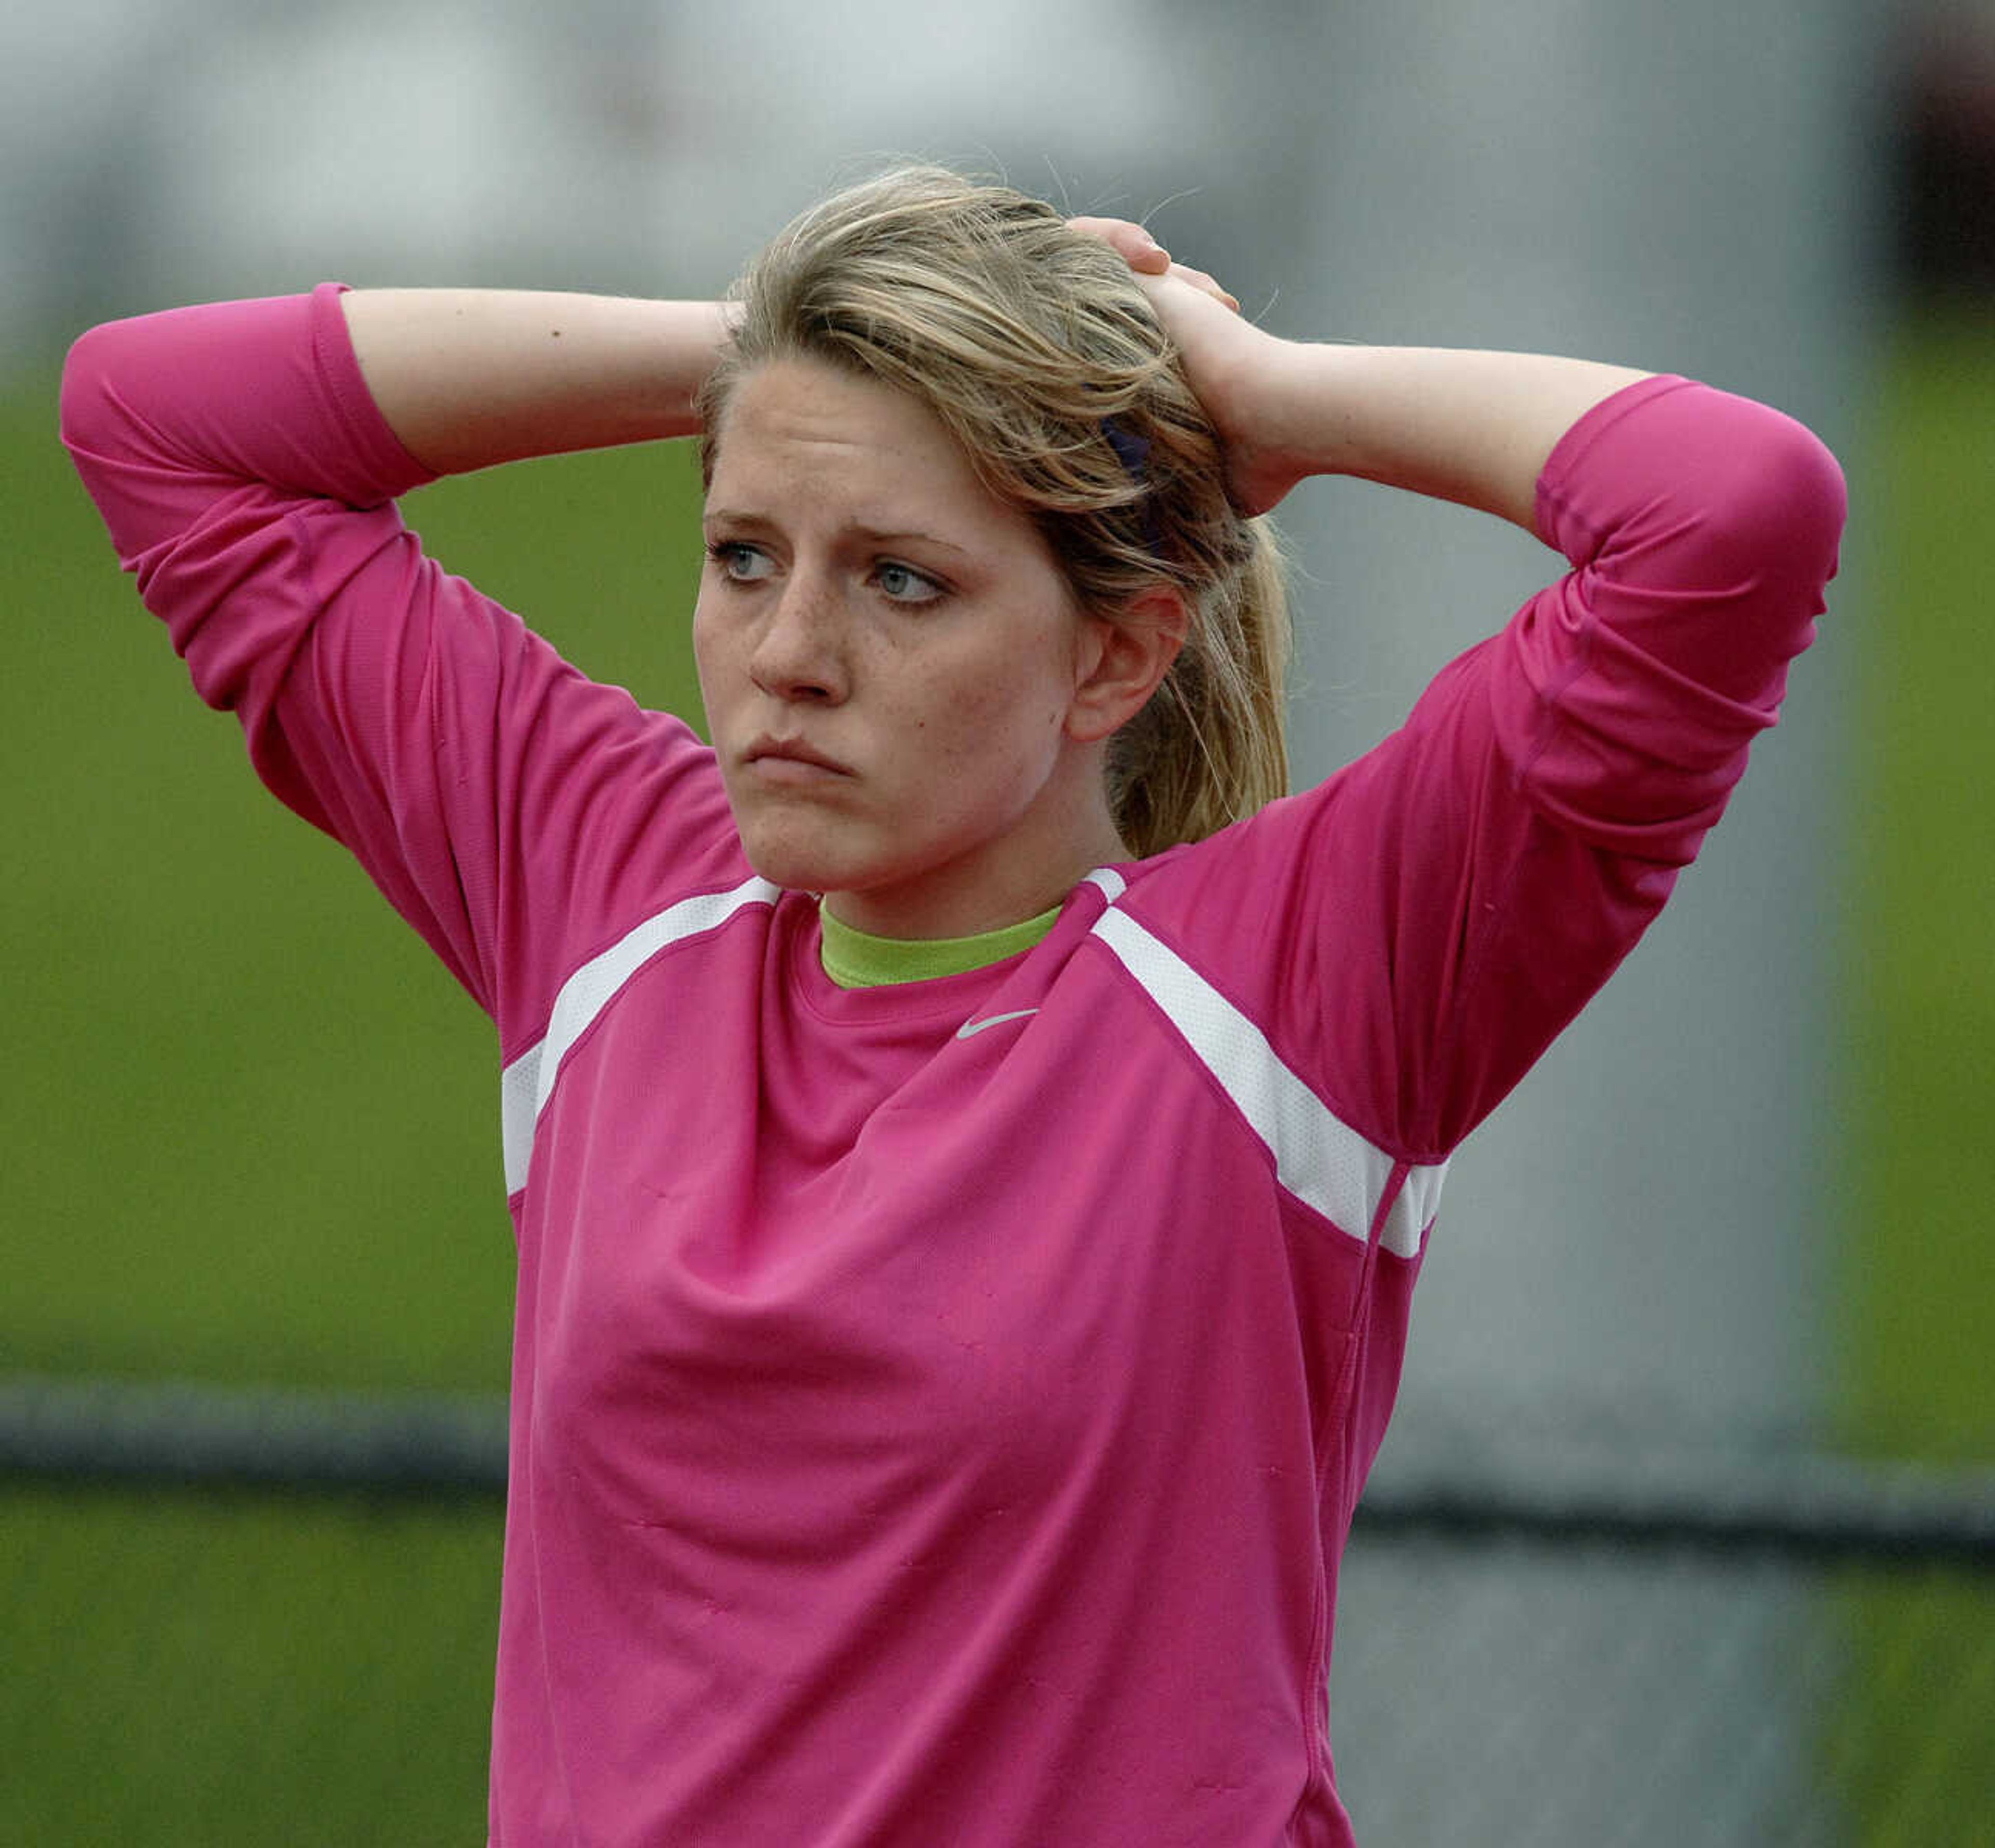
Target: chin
column 797, row 859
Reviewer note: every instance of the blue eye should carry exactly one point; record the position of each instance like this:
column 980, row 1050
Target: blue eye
column 903, row 584
column 739, row 563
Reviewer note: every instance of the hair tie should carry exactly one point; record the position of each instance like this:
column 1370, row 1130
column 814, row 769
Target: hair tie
column 1132, row 452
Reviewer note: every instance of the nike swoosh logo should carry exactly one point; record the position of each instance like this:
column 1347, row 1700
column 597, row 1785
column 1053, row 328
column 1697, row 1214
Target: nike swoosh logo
column 970, row 1026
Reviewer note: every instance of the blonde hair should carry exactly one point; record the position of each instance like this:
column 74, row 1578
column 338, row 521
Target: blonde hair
column 1034, row 347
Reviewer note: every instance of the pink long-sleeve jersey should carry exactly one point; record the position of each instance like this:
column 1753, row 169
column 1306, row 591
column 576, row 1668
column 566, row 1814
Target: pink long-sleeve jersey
column 938, row 1409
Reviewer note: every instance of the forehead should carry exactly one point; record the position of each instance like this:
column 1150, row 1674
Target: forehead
column 799, row 429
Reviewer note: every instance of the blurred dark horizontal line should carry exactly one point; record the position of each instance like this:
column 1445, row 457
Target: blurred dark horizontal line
column 169, row 1433
column 1947, row 1534
column 1622, row 1484
column 1456, row 1482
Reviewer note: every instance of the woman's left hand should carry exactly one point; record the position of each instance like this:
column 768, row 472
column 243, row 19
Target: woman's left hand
column 1231, row 363
column 1147, row 257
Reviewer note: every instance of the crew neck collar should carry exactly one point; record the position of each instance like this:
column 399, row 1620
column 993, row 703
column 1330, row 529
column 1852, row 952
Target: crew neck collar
column 857, row 959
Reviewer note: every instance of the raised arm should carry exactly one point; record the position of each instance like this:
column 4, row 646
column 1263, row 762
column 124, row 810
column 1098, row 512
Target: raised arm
column 1473, row 428
column 467, row 378
column 248, row 478
column 1492, row 860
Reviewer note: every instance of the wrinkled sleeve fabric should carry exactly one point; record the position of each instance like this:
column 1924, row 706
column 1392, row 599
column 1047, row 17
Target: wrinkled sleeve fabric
column 248, row 483
column 1420, row 927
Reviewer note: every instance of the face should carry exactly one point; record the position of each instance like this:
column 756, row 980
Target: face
column 894, row 667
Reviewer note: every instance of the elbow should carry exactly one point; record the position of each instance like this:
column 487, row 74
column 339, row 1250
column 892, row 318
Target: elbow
column 1814, row 500
column 1785, row 503
column 89, row 410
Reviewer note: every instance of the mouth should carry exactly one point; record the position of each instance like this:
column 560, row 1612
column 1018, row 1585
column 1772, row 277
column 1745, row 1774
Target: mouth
column 790, row 759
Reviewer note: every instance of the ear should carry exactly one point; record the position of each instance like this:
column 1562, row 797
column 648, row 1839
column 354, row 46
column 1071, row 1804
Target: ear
column 1120, row 663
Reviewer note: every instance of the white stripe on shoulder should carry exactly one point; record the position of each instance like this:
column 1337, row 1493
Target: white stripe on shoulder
column 1318, row 1157
column 525, row 1084
column 1412, row 1213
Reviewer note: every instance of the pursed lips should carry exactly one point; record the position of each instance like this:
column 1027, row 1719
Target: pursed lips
column 791, row 760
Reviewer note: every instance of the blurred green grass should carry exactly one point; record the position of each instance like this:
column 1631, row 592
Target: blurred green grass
column 254, row 1137
column 1916, row 1291
column 189, row 1669
column 1912, row 1747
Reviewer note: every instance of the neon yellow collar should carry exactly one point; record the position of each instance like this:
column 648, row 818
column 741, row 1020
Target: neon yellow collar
column 855, row 959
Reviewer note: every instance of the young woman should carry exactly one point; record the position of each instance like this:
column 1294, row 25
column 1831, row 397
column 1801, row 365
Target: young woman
column 971, row 1144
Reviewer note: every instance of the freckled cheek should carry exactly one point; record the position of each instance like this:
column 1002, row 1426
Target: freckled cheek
column 987, row 754
column 966, row 724
column 709, row 662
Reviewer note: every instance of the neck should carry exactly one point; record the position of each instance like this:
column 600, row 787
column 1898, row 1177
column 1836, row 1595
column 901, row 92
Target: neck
column 937, row 911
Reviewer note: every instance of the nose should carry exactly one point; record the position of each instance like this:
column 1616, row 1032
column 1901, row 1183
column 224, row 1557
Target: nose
column 799, row 651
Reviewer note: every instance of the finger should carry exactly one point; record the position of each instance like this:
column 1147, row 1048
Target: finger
column 1134, row 245
column 1207, row 284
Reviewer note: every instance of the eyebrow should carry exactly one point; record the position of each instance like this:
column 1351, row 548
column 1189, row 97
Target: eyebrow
column 872, row 535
